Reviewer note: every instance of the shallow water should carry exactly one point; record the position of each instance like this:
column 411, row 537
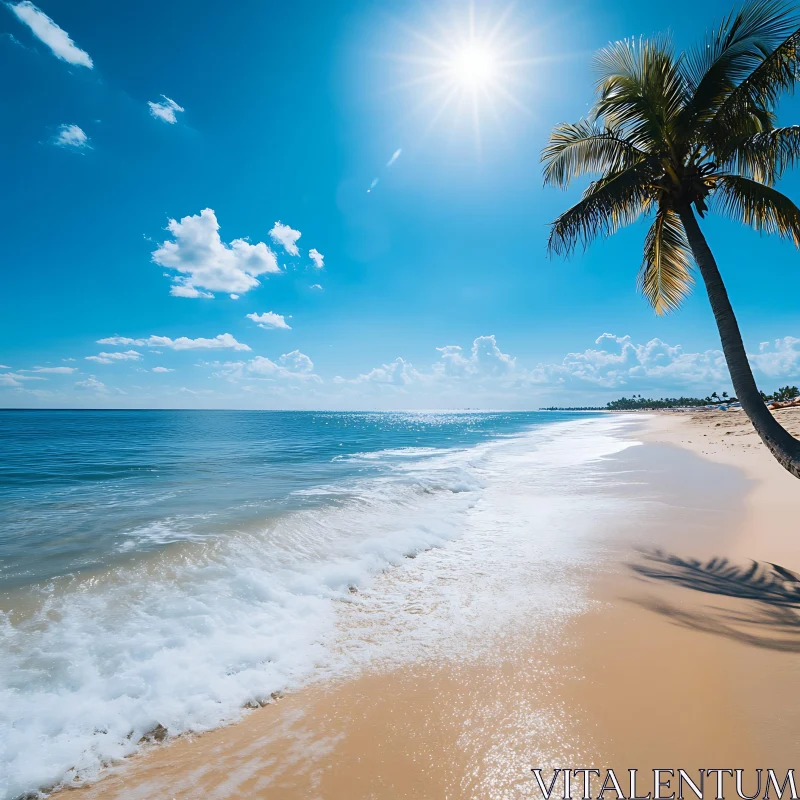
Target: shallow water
column 171, row 567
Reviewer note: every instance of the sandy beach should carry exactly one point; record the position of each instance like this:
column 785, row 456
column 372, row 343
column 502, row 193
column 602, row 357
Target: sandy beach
column 675, row 660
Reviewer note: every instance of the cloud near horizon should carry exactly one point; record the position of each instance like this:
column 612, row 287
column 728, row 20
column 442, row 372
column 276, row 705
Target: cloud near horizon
column 482, row 375
column 294, row 366
column 55, row 37
column 204, row 261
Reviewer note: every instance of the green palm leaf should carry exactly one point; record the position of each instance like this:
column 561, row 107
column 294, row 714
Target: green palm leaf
column 764, row 156
column 606, row 206
column 772, row 73
column 759, row 206
column 583, row 148
column 731, row 53
column 665, row 276
column 641, row 91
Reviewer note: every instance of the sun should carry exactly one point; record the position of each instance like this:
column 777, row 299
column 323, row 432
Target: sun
column 464, row 69
column 474, row 66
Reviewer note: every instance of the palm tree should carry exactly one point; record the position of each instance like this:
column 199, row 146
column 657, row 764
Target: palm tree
column 670, row 135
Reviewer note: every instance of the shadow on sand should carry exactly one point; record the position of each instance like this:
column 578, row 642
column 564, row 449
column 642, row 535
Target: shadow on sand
column 769, row 612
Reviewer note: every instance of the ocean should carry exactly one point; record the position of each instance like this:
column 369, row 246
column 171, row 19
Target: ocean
column 174, row 567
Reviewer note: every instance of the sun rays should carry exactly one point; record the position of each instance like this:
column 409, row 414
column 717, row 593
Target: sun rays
column 465, row 69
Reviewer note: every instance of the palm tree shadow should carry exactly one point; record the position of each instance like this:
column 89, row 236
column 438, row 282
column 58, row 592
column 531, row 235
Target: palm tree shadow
column 766, row 608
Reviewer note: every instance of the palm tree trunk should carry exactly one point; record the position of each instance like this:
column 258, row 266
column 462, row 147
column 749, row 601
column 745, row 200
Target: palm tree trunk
column 780, row 442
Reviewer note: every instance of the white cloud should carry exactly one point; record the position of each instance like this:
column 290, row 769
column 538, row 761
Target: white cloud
column 398, row 373
column 199, row 253
column 162, row 369
column 315, row 286
column 779, row 360
column 486, row 359
column 297, row 362
column 15, row 378
column 110, row 358
column 165, row 109
column 52, row 370
column 294, row 366
column 92, row 384
column 394, row 157
column 221, row 341
column 234, row 297
column 269, row 320
column 182, row 288
column 286, row 237
column 618, row 362
column 71, row 136
column 56, row 38
column 4, row 366
column 317, row 258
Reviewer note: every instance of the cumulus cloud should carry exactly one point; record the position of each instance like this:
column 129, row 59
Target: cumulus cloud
column 296, row 362
column 165, row 109
column 206, row 262
column 221, row 341
column 162, row 369
column 618, row 362
column 780, row 359
column 317, row 258
column 269, row 320
column 56, row 38
column 110, row 358
column 91, row 384
column 485, row 359
column 397, row 373
column 71, row 136
column 294, row 366
column 286, row 237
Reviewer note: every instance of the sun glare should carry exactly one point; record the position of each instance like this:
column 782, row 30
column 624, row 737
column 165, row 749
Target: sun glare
column 463, row 68
column 474, row 66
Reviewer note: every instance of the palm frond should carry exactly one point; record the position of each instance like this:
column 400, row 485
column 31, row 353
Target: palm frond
column 665, row 276
column 764, row 156
column 770, row 75
column 641, row 91
column 585, row 147
column 758, row 205
column 731, row 53
column 607, row 205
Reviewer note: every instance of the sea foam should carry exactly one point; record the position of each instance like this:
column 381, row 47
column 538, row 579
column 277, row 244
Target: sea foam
column 188, row 637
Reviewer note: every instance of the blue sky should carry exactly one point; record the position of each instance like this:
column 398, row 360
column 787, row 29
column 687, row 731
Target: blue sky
column 153, row 148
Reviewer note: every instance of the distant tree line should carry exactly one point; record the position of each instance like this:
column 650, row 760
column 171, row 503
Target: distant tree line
column 638, row 402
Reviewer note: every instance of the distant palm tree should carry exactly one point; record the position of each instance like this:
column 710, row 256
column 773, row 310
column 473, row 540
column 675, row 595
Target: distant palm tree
column 670, row 134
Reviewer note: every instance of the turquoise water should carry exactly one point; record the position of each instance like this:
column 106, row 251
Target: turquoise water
column 171, row 567
column 82, row 489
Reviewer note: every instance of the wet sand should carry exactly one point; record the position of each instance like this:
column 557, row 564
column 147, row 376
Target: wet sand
column 655, row 673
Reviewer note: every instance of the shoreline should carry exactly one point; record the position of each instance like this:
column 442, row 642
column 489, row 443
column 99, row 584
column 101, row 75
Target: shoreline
column 650, row 673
